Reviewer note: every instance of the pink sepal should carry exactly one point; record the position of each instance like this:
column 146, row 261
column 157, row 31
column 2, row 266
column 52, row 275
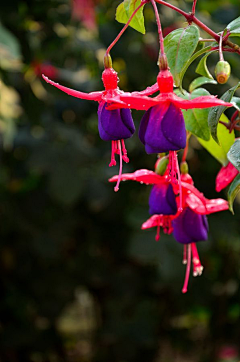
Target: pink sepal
column 153, row 221
column 194, row 191
column 199, row 102
column 141, row 102
column 143, row 176
column 94, row 96
column 225, row 176
column 209, row 206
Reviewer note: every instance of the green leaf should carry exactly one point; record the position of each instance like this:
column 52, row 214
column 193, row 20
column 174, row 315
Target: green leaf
column 196, row 119
column 189, row 62
column 124, row 12
column 180, row 44
column 226, row 139
column 234, row 154
column 233, row 191
column 198, row 82
column 234, row 27
column 202, row 68
column 236, row 103
column 216, row 112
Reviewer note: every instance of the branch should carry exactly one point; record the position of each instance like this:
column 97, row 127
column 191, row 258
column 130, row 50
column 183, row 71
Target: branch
column 191, row 18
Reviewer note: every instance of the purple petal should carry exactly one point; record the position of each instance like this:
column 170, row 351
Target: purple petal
column 190, row 227
column 163, row 129
column 162, row 200
column 114, row 124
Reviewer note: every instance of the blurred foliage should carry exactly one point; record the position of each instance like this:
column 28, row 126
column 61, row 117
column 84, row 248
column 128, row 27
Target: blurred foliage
column 79, row 280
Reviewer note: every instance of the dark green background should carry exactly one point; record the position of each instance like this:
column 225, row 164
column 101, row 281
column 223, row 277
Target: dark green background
column 80, row 281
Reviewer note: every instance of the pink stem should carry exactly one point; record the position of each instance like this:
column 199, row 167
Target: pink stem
column 194, row 7
column 184, row 289
column 116, row 188
column 185, row 152
column 125, row 27
column 161, row 40
column 180, row 184
column 220, row 48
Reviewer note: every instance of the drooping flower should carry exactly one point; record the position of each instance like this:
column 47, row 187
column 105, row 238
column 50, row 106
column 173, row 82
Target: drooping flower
column 114, row 125
column 162, row 128
column 225, row 176
column 189, row 224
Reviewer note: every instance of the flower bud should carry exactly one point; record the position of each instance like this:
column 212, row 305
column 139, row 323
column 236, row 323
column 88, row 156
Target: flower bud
column 222, row 71
column 184, row 168
column 107, row 61
column 162, row 165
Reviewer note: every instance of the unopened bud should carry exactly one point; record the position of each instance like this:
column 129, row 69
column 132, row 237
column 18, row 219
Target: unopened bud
column 107, row 61
column 162, row 62
column 162, row 165
column 222, row 71
column 184, row 168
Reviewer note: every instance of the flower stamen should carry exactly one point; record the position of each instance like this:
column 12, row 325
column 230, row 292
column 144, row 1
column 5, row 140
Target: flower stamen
column 116, row 188
column 197, row 266
column 113, row 161
column 184, row 254
column 185, row 285
column 124, row 152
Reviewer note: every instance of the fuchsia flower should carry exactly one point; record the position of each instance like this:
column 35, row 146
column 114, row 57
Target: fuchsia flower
column 162, row 127
column 189, row 223
column 225, row 176
column 114, row 125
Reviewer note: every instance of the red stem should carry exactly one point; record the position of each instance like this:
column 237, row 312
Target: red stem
column 161, row 40
column 185, row 152
column 191, row 19
column 194, row 6
column 125, row 27
column 173, row 7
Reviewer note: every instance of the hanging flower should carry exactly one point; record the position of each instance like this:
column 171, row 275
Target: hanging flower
column 162, row 128
column 114, row 125
column 188, row 221
column 225, row 176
